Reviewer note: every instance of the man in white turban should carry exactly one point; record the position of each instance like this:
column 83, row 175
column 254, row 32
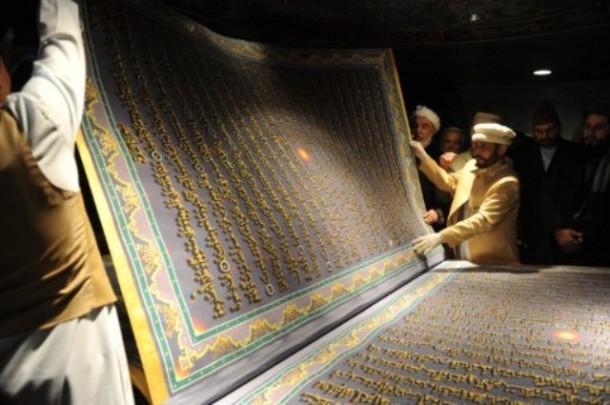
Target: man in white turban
column 425, row 124
column 482, row 221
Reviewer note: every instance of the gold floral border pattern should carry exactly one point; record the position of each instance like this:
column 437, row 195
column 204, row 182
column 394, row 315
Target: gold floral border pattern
column 329, row 353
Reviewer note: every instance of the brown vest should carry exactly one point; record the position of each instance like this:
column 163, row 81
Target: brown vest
column 50, row 266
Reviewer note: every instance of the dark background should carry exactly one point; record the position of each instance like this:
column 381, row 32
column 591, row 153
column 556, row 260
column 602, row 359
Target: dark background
column 445, row 60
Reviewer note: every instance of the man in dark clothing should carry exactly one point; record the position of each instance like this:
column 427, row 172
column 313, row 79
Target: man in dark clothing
column 592, row 220
column 550, row 170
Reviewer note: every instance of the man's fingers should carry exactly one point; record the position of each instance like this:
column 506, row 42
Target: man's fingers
column 419, row 246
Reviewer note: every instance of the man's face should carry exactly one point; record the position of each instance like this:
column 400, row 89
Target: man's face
column 451, row 142
column 595, row 129
column 486, row 153
column 423, row 130
column 546, row 134
column 5, row 82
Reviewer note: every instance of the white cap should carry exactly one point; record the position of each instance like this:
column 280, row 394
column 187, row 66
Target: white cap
column 481, row 116
column 493, row 133
column 423, row 111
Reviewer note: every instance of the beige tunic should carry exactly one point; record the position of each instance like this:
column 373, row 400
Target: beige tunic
column 483, row 212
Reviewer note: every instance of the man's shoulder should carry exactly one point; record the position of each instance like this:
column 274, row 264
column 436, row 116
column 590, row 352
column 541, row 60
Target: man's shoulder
column 507, row 181
column 470, row 164
column 460, row 160
column 467, row 155
column 505, row 173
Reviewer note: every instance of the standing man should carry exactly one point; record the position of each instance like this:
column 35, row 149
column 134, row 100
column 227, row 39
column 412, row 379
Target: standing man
column 550, row 170
column 483, row 217
column 426, row 124
column 451, row 141
column 60, row 340
column 595, row 137
column 591, row 222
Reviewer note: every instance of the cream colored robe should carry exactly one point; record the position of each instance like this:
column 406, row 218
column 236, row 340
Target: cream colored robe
column 490, row 197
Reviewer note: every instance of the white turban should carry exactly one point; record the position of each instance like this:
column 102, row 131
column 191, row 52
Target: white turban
column 423, row 111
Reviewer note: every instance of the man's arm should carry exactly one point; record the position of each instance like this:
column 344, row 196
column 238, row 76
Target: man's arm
column 49, row 108
column 501, row 199
column 441, row 178
column 437, row 175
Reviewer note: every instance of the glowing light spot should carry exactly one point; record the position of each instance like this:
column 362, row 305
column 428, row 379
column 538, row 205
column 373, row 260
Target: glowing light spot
column 542, row 72
column 567, row 335
column 303, row 154
column 199, row 326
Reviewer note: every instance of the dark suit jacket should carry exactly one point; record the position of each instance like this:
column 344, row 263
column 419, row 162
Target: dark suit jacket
column 428, row 190
column 548, row 199
column 593, row 217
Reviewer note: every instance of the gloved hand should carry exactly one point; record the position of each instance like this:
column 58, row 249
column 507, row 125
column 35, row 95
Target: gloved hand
column 418, row 150
column 426, row 243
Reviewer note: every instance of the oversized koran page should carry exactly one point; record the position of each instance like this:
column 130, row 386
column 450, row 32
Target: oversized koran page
column 252, row 197
column 460, row 333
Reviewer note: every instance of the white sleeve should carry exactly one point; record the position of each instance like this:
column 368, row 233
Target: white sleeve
column 50, row 106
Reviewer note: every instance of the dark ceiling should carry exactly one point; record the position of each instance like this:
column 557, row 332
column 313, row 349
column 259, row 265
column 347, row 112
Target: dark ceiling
column 469, row 41
column 433, row 40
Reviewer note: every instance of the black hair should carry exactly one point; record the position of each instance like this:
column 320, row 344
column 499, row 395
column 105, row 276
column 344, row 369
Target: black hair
column 598, row 107
column 6, row 43
column 545, row 113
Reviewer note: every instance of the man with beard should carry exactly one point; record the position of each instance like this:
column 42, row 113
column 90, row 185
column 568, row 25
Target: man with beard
column 550, row 171
column 426, row 124
column 481, row 226
column 592, row 220
column 451, row 141
column 595, row 137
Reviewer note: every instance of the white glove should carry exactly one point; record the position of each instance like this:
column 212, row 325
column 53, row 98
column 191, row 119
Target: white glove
column 418, row 150
column 426, row 243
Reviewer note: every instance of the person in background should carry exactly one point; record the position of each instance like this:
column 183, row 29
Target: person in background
column 426, row 124
column 592, row 220
column 60, row 339
column 482, row 222
column 550, row 170
column 595, row 138
column 451, row 141
column 455, row 161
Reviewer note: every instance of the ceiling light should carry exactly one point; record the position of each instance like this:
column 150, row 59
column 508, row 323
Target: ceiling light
column 474, row 17
column 542, row 72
